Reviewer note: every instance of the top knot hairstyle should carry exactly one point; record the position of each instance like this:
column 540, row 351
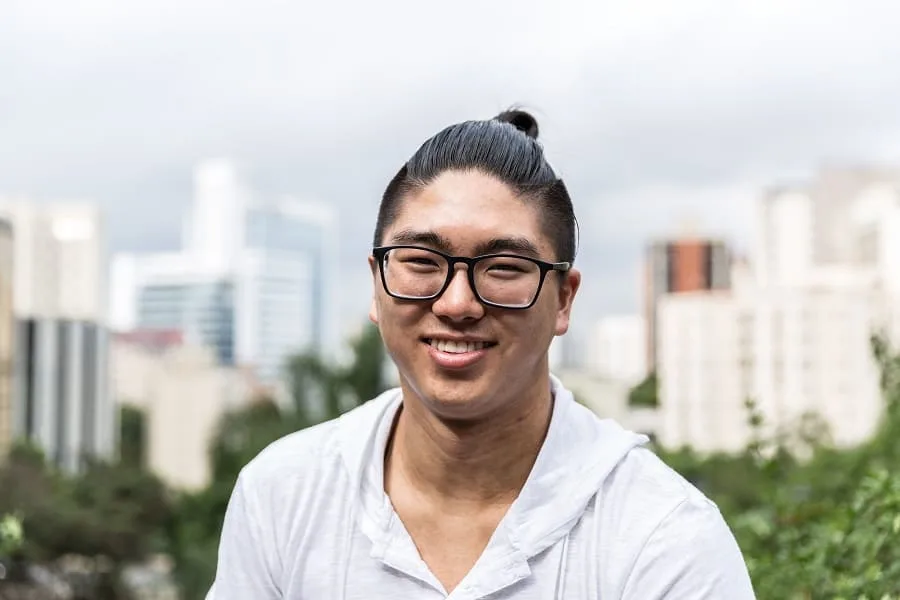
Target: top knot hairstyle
column 504, row 147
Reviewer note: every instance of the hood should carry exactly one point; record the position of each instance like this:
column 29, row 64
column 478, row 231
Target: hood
column 578, row 454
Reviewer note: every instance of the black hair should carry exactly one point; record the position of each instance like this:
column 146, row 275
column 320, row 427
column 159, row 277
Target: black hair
column 504, row 147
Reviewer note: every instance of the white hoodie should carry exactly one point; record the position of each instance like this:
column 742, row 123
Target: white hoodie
column 600, row 518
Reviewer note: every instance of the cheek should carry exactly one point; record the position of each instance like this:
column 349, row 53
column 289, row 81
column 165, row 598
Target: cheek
column 531, row 330
column 546, row 325
column 398, row 322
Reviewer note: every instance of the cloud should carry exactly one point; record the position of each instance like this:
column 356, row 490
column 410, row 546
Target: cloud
column 651, row 109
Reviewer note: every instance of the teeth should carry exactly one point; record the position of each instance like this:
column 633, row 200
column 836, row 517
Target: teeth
column 457, row 347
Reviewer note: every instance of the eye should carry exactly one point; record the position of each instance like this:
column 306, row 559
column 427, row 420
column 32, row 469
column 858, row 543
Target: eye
column 420, row 261
column 507, row 267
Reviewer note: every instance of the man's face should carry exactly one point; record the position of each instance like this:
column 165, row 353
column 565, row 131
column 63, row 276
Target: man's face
column 468, row 214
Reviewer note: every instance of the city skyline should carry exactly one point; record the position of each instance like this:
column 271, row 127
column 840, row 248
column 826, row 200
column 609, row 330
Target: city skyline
column 646, row 125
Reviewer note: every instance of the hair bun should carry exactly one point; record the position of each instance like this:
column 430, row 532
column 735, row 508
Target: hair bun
column 521, row 120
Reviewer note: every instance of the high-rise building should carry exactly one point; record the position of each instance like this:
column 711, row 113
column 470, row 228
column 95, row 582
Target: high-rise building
column 833, row 220
column 289, row 236
column 681, row 265
column 705, row 370
column 61, row 395
column 7, row 324
column 60, row 261
column 814, row 356
column 254, row 281
column 794, row 332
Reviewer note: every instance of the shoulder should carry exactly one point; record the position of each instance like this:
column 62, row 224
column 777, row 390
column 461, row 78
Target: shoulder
column 648, row 497
column 643, row 478
column 324, row 450
column 673, row 534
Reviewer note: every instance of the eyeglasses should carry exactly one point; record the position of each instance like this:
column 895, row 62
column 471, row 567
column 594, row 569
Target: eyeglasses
column 500, row 280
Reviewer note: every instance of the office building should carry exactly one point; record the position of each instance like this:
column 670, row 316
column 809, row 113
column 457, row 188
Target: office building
column 254, row 281
column 169, row 292
column 678, row 266
column 286, row 276
column 61, row 397
column 705, row 370
column 832, row 220
column 794, row 332
column 63, row 401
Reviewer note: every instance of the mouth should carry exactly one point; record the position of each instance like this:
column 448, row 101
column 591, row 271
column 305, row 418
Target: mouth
column 457, row 346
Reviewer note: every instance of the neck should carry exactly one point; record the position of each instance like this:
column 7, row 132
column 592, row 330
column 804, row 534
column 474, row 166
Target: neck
column 483, row 463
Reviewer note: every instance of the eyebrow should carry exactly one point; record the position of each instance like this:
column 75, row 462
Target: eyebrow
column 427, row 238
column 514, row 244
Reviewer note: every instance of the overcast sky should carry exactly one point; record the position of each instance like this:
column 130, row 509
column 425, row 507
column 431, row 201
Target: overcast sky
column 654, row 111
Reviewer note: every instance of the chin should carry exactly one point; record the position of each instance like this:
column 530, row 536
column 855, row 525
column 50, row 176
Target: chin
column 458, row 399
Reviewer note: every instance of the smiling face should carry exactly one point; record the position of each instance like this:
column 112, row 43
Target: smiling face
column 462, row 359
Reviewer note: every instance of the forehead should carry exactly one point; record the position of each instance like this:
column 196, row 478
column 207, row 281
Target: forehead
column 469, row 210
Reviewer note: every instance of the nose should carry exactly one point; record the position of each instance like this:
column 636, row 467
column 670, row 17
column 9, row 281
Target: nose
column 458, row 302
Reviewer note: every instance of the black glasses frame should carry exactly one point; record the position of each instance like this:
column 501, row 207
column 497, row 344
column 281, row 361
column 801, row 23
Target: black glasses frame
column 545, row 267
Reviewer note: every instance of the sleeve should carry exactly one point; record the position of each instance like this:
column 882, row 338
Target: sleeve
column 692, row 555
column 245, row 566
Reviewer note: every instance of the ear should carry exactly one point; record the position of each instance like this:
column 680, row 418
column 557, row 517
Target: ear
column 373, row 307
column 568, row 287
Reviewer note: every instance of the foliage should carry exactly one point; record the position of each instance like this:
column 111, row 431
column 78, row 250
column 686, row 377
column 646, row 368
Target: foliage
column 133, row 426
column 644, row 394
column 11, row 535
column 110, row 510
column 818, row 548
column 824, row 527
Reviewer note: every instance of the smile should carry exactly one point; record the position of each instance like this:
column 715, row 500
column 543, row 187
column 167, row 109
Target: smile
column 457, row 354
column 457, row 347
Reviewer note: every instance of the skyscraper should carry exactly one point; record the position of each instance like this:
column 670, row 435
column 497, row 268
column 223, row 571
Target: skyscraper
column 61, row 393
column 681, row 265
column 253, row 281
column 794, row 331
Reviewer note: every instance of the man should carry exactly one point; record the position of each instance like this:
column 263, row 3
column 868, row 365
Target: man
column 479, row 477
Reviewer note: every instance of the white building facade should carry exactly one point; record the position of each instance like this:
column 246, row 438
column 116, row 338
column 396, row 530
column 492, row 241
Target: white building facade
column 795, row 336
column 704, row 371
column 618, row 348
column 183, row 393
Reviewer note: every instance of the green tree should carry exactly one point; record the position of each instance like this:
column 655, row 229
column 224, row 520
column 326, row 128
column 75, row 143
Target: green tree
column 119, row 512
column 111, row 511
column 823, row 527
column 365, row 377
column 323, row 391
column 645, row 393
column 11, row 535
column 132, row 436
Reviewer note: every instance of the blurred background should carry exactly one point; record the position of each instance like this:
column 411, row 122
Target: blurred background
column 187, row 197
